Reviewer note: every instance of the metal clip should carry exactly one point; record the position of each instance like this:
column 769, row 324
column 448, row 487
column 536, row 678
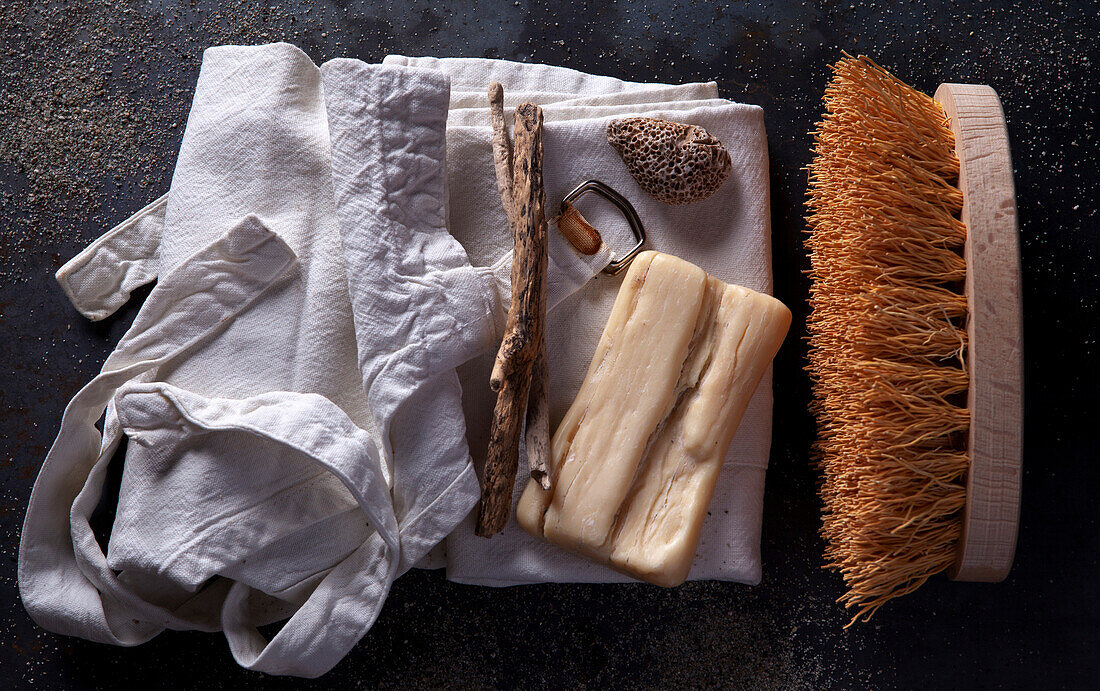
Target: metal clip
column 601, row 190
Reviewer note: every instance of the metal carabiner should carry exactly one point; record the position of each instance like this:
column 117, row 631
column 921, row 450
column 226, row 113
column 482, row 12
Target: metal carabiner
column 598, row 188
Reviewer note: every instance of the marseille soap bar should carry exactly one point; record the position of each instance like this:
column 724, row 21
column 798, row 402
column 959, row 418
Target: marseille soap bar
column 635, row 459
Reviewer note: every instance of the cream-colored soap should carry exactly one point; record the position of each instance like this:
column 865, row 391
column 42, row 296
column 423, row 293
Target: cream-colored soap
column 635, row 459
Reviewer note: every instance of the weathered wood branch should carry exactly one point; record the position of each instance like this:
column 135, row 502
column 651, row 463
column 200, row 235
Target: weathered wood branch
column 523, row 332
column 537, row 426
column 502, row 153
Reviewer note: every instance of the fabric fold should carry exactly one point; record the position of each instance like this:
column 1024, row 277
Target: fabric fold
column 64, row 580
column 100, row 279
column 283, row 429
column 419, row 307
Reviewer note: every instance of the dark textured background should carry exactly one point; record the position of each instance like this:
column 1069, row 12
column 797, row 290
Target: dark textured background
column 93, row 97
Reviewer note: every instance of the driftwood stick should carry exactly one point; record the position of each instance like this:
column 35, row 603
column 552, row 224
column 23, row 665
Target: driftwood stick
column 523, row 330
column 502, row 152
column 537, row 427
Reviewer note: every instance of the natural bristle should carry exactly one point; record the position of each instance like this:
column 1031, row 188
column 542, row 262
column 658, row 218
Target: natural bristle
column 887, row 334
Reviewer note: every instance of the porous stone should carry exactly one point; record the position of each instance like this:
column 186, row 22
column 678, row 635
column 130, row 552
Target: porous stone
column 676, row 163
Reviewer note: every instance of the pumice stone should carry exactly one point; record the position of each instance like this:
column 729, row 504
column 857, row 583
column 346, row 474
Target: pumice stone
column 676, row 163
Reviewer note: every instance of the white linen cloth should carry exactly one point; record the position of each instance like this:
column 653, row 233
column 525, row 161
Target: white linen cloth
column 288, row 389
column 279, row 464
column 727, row 234
column 254, row 486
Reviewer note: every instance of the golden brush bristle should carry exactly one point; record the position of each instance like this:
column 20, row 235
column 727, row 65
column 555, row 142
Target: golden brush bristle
column 886, row 333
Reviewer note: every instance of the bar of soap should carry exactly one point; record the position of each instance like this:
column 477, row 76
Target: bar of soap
column 635, row 459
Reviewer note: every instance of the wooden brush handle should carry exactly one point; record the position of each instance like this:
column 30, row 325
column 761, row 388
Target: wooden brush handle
column 995, row 332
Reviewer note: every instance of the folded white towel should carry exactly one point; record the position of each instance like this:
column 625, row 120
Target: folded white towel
column 727, row 234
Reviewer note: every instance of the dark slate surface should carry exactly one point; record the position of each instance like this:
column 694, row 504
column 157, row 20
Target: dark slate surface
column 93, row 98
